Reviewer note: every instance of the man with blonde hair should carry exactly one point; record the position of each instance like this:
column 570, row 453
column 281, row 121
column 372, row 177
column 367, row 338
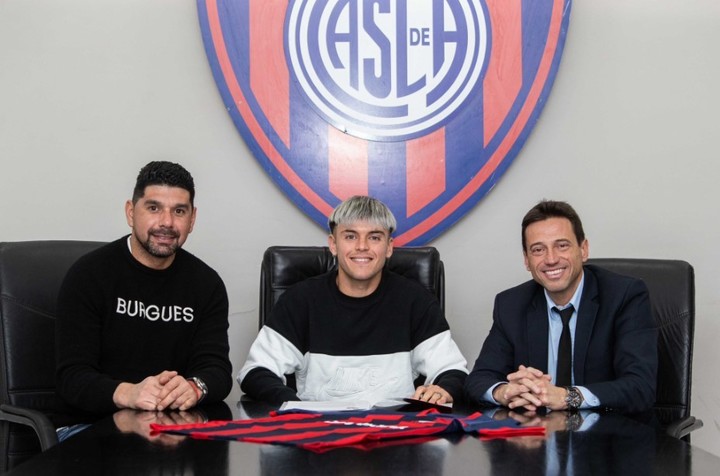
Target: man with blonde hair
column 359, row 332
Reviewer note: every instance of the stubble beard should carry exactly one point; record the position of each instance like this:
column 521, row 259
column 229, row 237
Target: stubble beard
column 160, row 251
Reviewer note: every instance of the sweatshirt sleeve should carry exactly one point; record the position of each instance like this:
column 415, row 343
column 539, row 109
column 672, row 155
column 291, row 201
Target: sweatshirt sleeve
column 263, row 385
column 271, row 357
column 435, row 354
column 440, row 359
column 80, row 381
column 209, row 359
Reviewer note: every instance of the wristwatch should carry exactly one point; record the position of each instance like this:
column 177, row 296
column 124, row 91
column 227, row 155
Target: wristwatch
column 574, row 398
column 201, row 386
column 573, row 421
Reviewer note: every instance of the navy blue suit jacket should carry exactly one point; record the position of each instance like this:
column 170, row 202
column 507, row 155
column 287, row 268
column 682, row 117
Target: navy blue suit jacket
column 615, row 349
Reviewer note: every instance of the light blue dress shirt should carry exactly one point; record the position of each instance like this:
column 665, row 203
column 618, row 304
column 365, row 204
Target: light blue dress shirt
column 554, row 332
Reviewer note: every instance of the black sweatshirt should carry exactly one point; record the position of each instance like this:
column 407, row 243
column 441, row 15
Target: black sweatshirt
column 120, row 321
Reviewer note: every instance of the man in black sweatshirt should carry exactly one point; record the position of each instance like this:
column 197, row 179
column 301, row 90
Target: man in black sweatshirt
column 143, row 323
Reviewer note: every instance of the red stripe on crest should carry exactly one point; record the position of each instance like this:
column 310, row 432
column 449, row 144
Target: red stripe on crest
column 269, row 76
column 425, row 164
column 503, row 79
column 510, row 139
column 347, row 164
column 247, row 114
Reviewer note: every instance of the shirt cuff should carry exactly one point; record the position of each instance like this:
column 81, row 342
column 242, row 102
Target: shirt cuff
column 589, row 398
column 488, row 397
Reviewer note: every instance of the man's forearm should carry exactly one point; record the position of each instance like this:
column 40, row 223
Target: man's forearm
column 261, row 384
column 452, row 382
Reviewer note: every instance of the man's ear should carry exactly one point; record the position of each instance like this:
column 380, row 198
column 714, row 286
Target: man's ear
column 192, row 220
column 331, row 244
column 129, row 213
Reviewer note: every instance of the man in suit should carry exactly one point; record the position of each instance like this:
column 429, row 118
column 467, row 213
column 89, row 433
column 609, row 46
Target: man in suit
column 602, row 352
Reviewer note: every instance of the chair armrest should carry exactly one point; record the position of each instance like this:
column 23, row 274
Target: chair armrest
column 682, row 427
column 38, row 421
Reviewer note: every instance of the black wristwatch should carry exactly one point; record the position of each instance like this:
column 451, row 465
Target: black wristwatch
column 201, row 386
column 574, row 398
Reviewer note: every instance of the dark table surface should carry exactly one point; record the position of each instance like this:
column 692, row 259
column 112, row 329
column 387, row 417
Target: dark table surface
column 612, row 444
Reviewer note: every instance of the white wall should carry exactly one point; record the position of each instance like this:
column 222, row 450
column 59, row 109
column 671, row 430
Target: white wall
column 91, row 90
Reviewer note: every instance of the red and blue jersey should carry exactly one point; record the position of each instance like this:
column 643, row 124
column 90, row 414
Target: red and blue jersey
column 322, row 431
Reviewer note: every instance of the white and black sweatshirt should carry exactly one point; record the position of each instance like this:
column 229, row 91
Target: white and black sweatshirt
column 345, row 348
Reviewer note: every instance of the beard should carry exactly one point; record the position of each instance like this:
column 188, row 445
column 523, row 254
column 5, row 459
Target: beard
column 160, row 251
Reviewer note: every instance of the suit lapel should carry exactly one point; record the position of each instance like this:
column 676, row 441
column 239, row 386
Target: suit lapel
column 585, row 323
column 537, row 329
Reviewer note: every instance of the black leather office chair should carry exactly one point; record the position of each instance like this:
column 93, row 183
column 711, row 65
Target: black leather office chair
column 31, row 273
column 283, row 266
column 672, row 297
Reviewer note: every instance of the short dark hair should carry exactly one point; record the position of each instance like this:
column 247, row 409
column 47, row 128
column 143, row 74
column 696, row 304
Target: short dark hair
column 163, row 173
column 553, row 209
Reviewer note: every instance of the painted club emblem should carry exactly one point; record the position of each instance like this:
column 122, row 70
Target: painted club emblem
column 420, row 103
column 393, row 83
